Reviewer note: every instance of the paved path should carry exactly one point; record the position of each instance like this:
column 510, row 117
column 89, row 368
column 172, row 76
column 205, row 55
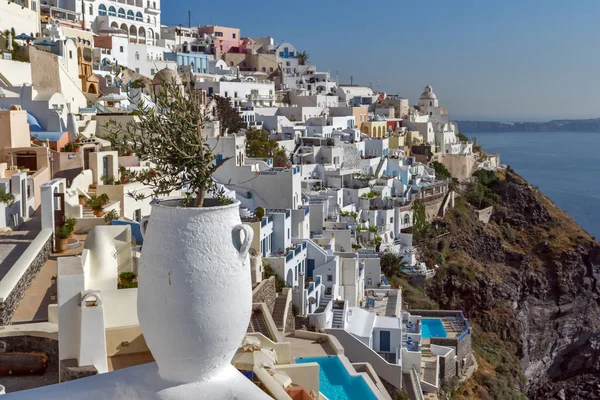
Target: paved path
column 34, row 306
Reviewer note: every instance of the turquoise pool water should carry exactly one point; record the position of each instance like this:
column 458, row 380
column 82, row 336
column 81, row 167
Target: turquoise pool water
column 336, row 383
column 432, row 327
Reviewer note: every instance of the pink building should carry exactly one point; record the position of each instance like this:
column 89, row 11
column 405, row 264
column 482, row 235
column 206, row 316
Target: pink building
column 226, row 39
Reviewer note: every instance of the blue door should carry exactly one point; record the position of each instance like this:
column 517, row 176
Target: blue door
column 310, row 267
column 384, row 341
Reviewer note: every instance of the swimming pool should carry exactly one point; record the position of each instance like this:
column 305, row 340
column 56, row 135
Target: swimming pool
column 335, row 381
column 433, row 327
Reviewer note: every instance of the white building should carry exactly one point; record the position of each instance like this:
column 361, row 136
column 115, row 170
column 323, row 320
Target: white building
column 260, row 93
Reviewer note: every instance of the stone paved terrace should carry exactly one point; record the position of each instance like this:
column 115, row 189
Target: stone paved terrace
column 308, row 347
column 384, row 306
column 34, row 306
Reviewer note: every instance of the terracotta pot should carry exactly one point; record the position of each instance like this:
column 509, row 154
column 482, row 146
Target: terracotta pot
column 99, row 213
column 194, row 288
column 61, row 245
column 82, row 201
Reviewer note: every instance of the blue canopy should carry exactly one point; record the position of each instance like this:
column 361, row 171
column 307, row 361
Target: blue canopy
column 24, row 36
column 44, row 43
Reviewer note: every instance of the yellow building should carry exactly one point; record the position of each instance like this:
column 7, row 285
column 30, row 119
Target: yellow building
column 374, row 129
column 413, row 137
column 397, row 141
column 89, row 81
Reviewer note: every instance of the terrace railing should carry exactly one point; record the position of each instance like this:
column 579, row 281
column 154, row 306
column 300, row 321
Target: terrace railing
column 416, row 383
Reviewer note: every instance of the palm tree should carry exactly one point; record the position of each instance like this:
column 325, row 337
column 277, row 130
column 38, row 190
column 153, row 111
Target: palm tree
column 303, row 57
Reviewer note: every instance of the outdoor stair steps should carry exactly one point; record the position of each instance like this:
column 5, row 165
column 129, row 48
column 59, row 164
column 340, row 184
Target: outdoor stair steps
column 338, row 318
column 325, row 299
column 258, row 324
column 278, row 312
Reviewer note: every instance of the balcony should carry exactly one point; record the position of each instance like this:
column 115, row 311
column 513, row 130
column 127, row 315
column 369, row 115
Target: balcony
column 151, row 9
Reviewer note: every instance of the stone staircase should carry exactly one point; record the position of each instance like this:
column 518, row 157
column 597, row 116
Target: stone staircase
column 258, row 324
column 325, row 299
column 278, row 312
column 338, row 317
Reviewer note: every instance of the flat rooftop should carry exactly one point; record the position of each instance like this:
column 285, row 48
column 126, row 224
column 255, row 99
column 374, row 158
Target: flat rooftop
column 13, row 245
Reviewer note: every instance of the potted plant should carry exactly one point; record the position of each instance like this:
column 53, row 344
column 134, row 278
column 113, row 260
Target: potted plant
column 53, row 279
column 70, row 223
column 112, row 214
column 97, row 208
column 53, row 296
column 6, row 198
column 201, row 231
column 82, row 199
column 61, row 237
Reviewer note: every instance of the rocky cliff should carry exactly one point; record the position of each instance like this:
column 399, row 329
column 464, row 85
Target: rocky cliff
column 528, row 282
column 564, row 125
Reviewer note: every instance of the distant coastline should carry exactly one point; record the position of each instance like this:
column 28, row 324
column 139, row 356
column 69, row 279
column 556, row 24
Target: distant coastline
column 559, row 125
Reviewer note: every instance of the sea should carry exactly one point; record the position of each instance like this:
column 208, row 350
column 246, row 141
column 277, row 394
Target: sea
column 565, row 166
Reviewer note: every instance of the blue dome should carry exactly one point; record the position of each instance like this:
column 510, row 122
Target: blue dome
column 34, row 125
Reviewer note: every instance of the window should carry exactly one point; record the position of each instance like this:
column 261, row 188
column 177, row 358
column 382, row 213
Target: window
column 430, row 103
column 430, row 113
column 235, row 95
column 70, row 54
column 138, row 16
column 91, row 9
column 130, row 14
column 121, row 49
column 148, row 19
column 152, row 71
column 244, row 64
column 291, row 54
column 329, row 278
column 137, row 55
column 234, row 35
column 33, row 6
column 264, row 69
column 391, row 220
column 121, row 13
column 226, row 95
column 288, row 233
column 287, row 63
column 271, row 69
column 281, row 54
column 137, row 70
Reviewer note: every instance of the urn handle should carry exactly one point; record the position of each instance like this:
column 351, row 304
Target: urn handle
column 144, row 225
column 242, row 247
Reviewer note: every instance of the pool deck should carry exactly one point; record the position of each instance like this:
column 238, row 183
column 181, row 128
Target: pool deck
column 451, row 332
column 308, row 347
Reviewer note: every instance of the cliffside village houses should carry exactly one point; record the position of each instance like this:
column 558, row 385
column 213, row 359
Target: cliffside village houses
column 357, row 162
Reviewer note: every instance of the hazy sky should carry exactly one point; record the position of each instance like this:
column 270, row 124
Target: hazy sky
column 509, row 59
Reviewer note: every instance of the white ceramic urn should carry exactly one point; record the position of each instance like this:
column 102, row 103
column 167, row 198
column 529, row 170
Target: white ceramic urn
column 194, row 288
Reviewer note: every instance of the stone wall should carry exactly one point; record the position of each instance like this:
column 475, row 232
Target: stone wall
column 485, row 214
column 266, row 293
column 32, row 344
column 7, row 308
column 448, row 366
column 69, row 370
column 460, row 167
column 290, row 321
column 301, row 322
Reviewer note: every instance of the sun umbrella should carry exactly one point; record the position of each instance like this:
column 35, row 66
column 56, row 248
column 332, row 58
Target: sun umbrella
column 44, row 43
column 24, row 36
column 247, row 360
column 251, row 343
